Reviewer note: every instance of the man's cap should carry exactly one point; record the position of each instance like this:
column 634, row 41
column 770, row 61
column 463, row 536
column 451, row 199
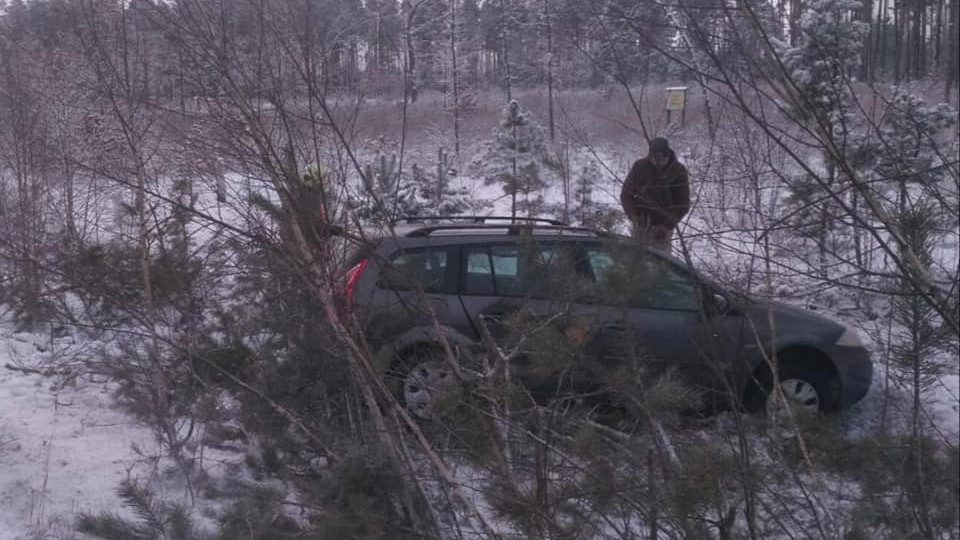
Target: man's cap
column 659, row 146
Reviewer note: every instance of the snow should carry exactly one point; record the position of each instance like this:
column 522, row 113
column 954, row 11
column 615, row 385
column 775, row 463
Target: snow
column 63, row 448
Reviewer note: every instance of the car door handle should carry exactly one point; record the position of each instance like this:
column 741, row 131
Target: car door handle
column 491, row 318
column 615, row 327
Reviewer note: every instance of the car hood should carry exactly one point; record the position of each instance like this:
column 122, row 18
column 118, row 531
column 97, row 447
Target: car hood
column 793, row 323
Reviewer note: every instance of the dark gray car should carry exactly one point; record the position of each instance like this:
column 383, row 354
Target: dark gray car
column 613, row 302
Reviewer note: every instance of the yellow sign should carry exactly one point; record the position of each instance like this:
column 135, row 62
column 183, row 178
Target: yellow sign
column 676, row 98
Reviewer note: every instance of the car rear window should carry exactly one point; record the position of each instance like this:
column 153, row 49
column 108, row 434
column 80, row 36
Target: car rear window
column 429, row 268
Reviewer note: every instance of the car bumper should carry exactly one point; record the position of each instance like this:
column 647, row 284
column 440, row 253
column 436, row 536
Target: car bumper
column 856, row 374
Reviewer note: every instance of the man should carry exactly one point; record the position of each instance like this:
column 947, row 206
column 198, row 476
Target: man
column 656, row 195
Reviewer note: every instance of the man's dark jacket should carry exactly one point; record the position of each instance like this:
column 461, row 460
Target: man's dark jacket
column 658, row 197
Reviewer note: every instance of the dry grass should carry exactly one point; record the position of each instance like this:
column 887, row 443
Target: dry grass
column 604, row 117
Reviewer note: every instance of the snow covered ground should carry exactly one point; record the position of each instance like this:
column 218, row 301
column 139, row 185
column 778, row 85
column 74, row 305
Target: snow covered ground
column 63, row 448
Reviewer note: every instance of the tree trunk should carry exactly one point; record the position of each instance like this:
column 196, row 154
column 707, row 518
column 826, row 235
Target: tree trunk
column 880, row 50
column 378, row 36
column 918, row 41
column 953, row 55
column 869, row 51
column 546, row 14
column 181, row 85
column 897, row 37
column 455, row 79
column 505, row 44
column 796, row 6
column 514, row 179
column 654, row 506
column 937, row 34
column 826, row 219
column 410, row 84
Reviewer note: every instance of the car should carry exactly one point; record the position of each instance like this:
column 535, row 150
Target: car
column 612, row 305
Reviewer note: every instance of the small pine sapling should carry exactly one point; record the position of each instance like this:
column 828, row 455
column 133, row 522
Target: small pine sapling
column 155, row 519
column 512, row 158
column 436, row 192
column 387, row 194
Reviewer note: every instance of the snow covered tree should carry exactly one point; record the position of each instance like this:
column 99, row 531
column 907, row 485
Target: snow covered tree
column 512, row 158
column 435, row 192
column 911, row 152
column 818, row 66
column 386, row 193
column 827, row 51
column 578, row 205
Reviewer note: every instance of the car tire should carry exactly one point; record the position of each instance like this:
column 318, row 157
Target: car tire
column 418, row 377
column 807, row 388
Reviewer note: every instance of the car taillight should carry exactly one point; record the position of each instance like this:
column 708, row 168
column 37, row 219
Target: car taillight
column 353, row 276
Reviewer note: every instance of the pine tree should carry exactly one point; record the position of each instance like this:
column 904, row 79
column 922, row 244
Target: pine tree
column 578, row 205
column 513, row 158
column 826, row 52
column 156, row 520
column 387, row 194
column 626, row 24
column 911, row 152
column 912, row 164
column 435, row 192
column 383, row 18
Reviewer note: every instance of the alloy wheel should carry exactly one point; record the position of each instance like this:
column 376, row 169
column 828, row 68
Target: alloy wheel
column 797, row 394
column 423, row 384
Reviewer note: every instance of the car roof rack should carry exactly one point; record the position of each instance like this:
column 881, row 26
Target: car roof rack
column 482, row 220
column 508, row 229
column 420, row 226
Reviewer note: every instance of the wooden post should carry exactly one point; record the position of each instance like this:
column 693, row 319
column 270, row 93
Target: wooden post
column 677, row 101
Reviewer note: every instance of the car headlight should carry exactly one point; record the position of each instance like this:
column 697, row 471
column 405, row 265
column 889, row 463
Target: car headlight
column 849, row 338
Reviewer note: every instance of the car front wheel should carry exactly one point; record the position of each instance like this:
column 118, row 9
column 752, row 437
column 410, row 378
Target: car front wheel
column 800, row 389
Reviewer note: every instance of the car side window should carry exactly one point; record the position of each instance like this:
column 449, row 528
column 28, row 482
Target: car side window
column 427, row 268
column 627, row 275
column 677, row 290
column 522, row 269
column 493, row 270
column 478, row 271
column 506, row 270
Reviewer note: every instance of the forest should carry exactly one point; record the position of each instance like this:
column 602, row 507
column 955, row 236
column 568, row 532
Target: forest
column 184, row 185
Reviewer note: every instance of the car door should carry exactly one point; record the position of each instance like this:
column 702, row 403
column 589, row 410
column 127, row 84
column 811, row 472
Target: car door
column 412, row 286
column 524, row 291
column 663, row 318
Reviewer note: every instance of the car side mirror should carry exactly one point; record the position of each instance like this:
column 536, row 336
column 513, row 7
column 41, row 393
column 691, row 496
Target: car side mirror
column 717, row 303
column 714, row 303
